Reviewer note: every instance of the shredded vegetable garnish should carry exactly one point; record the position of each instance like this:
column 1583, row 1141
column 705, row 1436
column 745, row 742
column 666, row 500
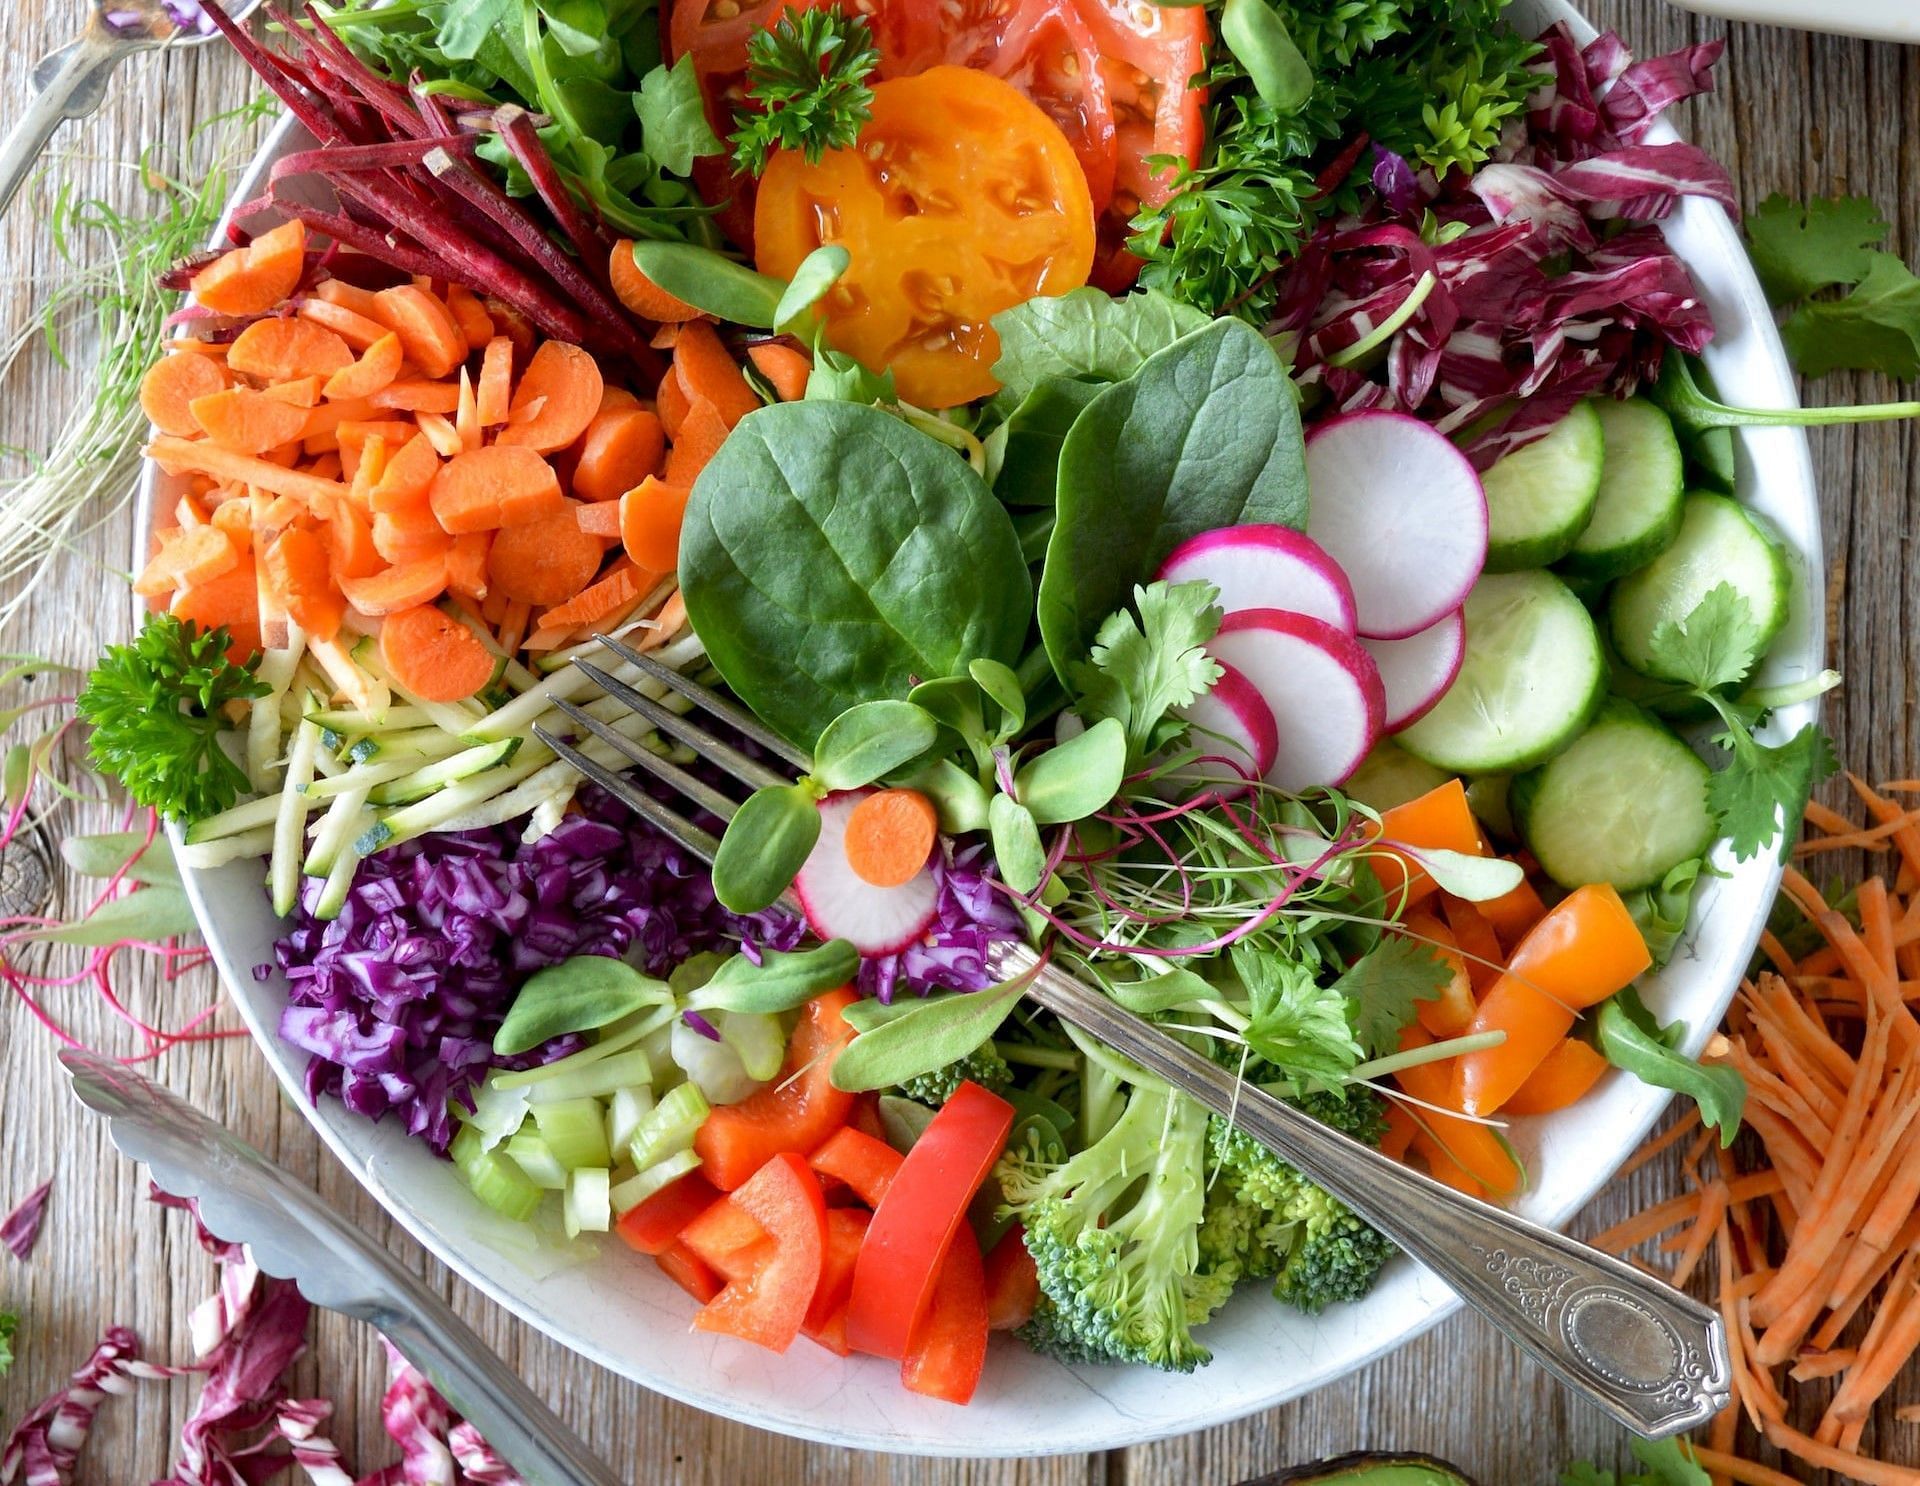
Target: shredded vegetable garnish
column 20, row 1229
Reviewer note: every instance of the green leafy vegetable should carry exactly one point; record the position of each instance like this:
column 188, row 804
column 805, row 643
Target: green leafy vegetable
column 781, row 981
column 105, row 855
column 1761, row 793
column 674, row 130
column 582, row 994
column 1206, row 434
column 921, row 1036
column 871, row 740
column 1383, row 985
column 153, row 913
column 1630, row 1039
column 712, row 282
column 1696, row 415
column 1085, row 336
column 1669, row 1462
column 1295, row 1023
column 765, row 846
column 1024, row 451
column 808, row 71
column 818, row 272
column 1799, row 249
column 157, row 708
column 1874, row 327
column 9, row 1324
column 1661, row 911
column 1017, row 848
column 833, row 555
column 1265, row 50
column 1073, row 779
column 1142, row 669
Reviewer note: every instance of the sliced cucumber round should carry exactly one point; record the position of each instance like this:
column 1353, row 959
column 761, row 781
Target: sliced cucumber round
column 1720, row 541
column 1636, row 515
column 1532, row 677
column 1487, row 798
column 1540, row 497
column 1625, row 803
column 1390, row 776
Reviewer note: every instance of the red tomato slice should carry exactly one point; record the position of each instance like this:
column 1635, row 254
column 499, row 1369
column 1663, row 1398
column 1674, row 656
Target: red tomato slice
column 949, row 1346
column 917, row 1219
column 769, row 1305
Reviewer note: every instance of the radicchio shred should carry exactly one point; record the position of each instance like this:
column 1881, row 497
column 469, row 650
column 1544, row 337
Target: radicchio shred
column 1551, row 283
column 20, row 1229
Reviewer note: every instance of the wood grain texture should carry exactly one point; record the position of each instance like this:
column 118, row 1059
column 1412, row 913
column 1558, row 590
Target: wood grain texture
column 1797, row 114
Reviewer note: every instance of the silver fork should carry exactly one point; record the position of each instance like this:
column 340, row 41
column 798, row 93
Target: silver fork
column 1653, row 1358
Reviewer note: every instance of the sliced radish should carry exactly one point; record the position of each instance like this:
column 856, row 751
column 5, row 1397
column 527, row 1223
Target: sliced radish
column 1323, row 690
column 1402, row 512
column 840, row 905
column 1418, row 670
column 1266, row 567
column 1233, row 730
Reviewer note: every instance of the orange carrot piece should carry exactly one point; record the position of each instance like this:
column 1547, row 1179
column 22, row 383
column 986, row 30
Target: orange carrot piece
column 247, row 422
column 277, row 350
column 709, row 374
column 558, row 396
column 467, row 565
column 253, row 279
column 599, row 518
column 671, row 402
column 173, row 384
column 466, row 415
column 350, row 543
column 296, row 564
column 403, row 586
column 890, row 835
column 179, row 457
column 544, row 562
column 621, row 447
column 650, row 521
column 622, row 585
column 511, row 323
column 639, row 293
column 426, row 328
column 409, row 474
column 235, row 518
column 613, row 399
column 408, row 533
column 701, row 435
column 500, row 485
column 496, row 382
column 785, row 368
column 334, row 418
column 444, row 437
column 303, row 392
column 347, row 296
column 433, row 656
column 476, row 325
column 359, row 331
column 232, row 599
column 187, row 556
column 418, row 395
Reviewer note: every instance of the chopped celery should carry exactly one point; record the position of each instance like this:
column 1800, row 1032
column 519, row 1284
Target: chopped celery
column 670, row 1126
column 621, row 1034
column 600, row 1079
column 496, row 1113
column 625, row 1111
column 495, row 1180
column 587, row 1206
column 575, row 1131
column 532, row 1154
column 638, row 1188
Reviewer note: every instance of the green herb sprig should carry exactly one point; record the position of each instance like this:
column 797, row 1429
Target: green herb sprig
column 809, row 74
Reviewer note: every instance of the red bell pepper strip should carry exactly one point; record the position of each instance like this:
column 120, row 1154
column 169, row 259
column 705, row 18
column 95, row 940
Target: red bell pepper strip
column 949, row 1346
column 863, row 1163
column 726, row 1238
column 865, row 1116
column 915, row 1223
column 826, row 1320
column 769, row 1305
column 1013, row 1284
column 795, row 1112
column 653, row 1226
column 685, row 1268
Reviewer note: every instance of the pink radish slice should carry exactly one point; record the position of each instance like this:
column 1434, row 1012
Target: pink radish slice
column 840, row 904
column 1233, row 731
column 1402, row 512
column 1324, row 692
column 1265, row 567
column 1418, row 670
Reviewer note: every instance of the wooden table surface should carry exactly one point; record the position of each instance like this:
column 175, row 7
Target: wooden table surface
column 1794, row 113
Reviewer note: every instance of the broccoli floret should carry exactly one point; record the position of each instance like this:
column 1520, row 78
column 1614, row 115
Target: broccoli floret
column 1048, row 1335
column 1114, row 1234
column 1336, row 1255
column 983, row 1066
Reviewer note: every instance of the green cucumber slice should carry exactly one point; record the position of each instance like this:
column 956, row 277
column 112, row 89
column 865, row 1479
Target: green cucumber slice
column 1541, row 496
column 1636, row 515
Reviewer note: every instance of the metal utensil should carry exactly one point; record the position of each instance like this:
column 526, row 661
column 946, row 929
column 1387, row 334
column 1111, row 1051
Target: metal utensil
column 69, row 83
column 1650, row 1356
column 244, row 1198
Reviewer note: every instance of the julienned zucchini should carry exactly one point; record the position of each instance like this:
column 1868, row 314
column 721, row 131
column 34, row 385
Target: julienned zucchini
column 425, row 780
column 1541, row 497
column 1624, row 804
column 1636, row 514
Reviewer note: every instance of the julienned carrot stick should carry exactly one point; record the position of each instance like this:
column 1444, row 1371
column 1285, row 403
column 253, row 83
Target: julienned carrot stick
column 622, row 585
column 179, row 457
column 1722, row 1463
column 1655, row 1144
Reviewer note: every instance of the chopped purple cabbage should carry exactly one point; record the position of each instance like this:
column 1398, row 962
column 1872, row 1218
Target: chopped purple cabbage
column 969, row 918
column 398, row 999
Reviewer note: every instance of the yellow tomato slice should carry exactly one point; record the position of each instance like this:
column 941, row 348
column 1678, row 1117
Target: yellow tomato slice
column 960, row 200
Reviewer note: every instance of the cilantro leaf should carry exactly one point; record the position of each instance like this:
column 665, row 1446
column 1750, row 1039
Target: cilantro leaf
column 1798, row 249
column 158, row 708
column 1142, row 669
column 674, row 130
column 808, row 71
column 1715, row 646
column 1383, row 985
column 9, row 1323
column 1876, row 327
column 1762, row 792
column 1295, row 1023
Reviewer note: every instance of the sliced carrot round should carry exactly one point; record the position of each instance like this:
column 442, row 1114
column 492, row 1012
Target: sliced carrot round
column 433, row 656
column 622, row 447
column 558, row 396
column 640, row 294
column 890, row 835
column 278, row 350
column 173, row 384
column 403, row 586
column 426, row 328
column 378, row 365
column 544, row 562
column 651, row 516
column 499, row 485
column 253, row 279
column 298, row 571
column 248, row 422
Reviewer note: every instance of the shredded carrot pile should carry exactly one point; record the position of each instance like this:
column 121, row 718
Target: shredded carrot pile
column 1815, row 1247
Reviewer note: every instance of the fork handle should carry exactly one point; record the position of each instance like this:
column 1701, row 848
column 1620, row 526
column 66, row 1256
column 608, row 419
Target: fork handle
column 68, row 84
column 1653, row 1358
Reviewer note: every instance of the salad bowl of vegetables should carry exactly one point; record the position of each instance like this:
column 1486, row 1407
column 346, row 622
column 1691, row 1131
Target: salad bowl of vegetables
column 1315, row 645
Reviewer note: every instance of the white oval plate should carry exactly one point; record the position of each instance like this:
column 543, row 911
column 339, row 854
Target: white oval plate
column 1880, row 20
column 614, row 1308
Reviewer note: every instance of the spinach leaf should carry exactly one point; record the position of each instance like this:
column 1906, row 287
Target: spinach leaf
column 582, row 994
column 1085, row 336
column 1029, row 441
column 1630, row 1039
column 832, row 555
column 1205, row 435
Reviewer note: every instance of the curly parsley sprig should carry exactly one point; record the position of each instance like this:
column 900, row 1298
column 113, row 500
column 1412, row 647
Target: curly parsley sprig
column 809, row 73
column 158, row 707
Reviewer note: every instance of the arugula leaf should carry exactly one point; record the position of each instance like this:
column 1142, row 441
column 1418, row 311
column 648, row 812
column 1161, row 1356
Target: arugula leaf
column 1798, row 249
column 1084, row 336
column 1631, row 1040
column 1876, row 327
column 1382, row 986
column 9, row 1323
column 1295, row 1023
column 809, row 72
column 1660, row 912
column 1142, row 669
column 673, row 119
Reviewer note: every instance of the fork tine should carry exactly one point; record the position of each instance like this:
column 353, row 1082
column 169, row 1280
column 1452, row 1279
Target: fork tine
column 695, row 789
column 750, row 771
column 701, row 843
column 745, row 723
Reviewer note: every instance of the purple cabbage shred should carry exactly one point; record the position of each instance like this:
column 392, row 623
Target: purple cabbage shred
column 969, row 919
